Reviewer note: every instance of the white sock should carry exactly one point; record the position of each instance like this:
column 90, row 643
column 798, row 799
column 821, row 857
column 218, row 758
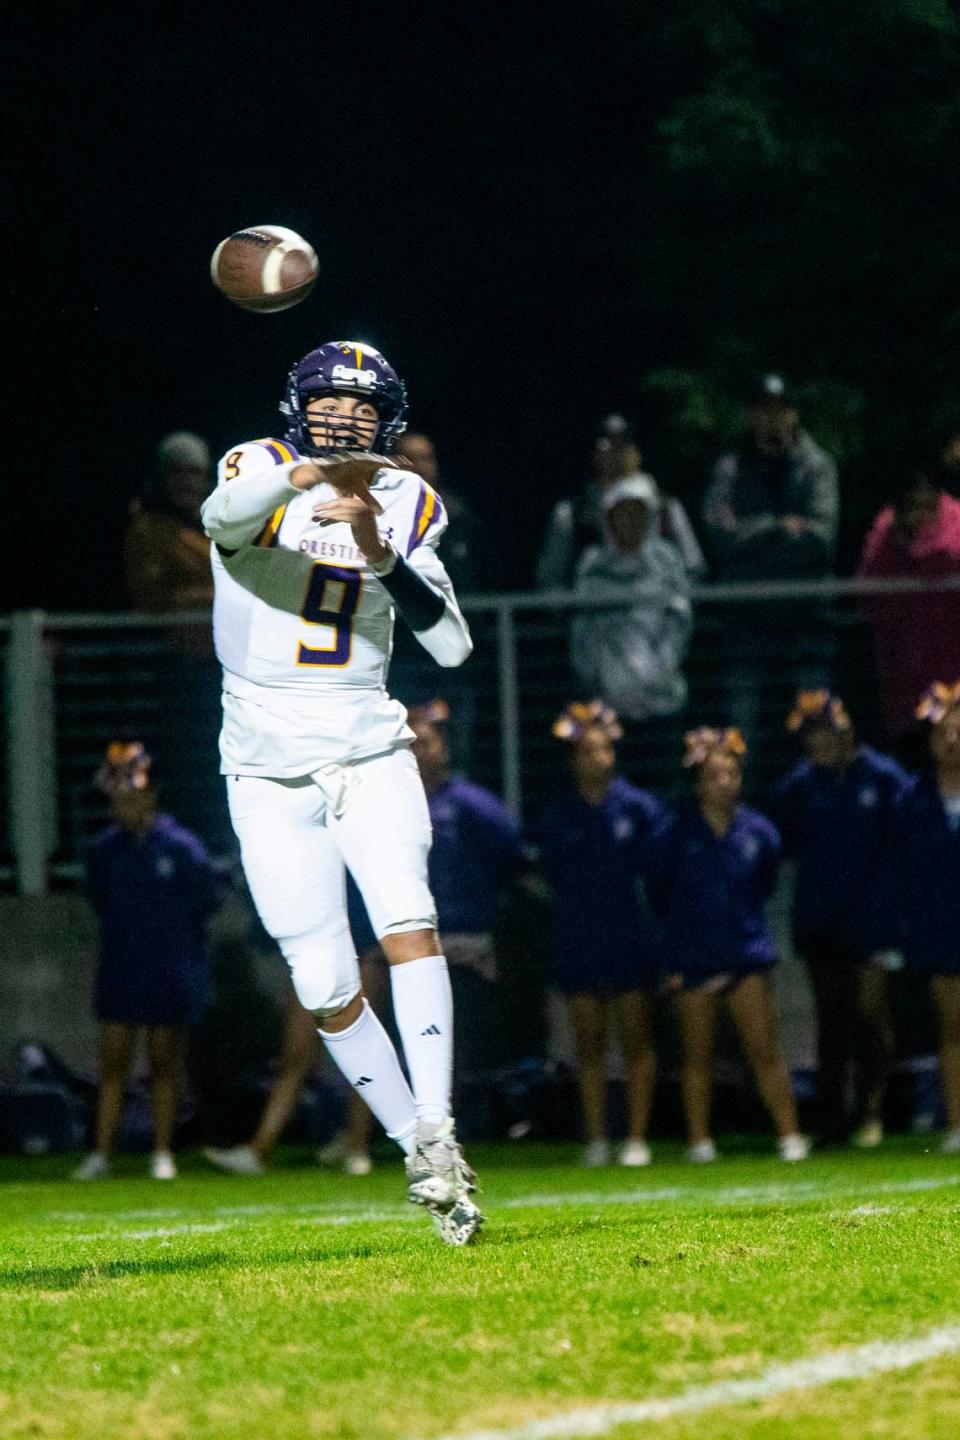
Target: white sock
column 365, row 1055
column 423, row 1008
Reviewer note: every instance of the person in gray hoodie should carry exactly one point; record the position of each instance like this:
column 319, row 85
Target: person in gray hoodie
column 632, row 654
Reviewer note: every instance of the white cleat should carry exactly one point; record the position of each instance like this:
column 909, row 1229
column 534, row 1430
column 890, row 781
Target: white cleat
column 869, row 1135
column 950, row 1144
column 94, row 1167
column 458, row 1225
column 596, row 1154
column 704, row 1152
column 440, row 1179
column 793, row 1147
column 634, row 1153
column 238, row 1160
column 162, row 1166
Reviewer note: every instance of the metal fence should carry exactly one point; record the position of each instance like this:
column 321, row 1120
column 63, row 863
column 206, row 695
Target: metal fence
column 73, row 681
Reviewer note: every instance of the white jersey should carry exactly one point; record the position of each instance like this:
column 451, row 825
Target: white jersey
column 302, row 627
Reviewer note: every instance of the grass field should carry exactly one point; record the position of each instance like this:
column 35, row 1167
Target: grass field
column 304, row 1304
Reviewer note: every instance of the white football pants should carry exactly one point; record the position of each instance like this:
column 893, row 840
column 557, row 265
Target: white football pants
column 296, row 837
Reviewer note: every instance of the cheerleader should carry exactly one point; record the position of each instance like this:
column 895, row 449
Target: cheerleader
column 711, row 869
column 154, row 889
column 928, row 851
column 591, row 844
column 834, row 813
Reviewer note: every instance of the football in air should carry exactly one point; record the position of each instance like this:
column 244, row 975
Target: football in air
column 264, row 268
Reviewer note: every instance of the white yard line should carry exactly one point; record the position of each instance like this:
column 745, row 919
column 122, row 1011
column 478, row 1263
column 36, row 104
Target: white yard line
column 879, row 1357
column 347, row 1212
column 730, row 1194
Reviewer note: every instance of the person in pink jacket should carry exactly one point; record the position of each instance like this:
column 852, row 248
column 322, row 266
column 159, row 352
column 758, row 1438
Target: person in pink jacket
column 916, row 635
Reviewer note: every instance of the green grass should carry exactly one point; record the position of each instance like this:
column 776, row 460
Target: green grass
column 305, row 1304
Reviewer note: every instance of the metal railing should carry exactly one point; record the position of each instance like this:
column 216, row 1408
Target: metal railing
column 73, row 681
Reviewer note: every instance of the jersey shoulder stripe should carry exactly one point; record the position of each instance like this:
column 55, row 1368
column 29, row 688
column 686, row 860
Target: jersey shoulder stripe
column 251, row 456
column 429, row 512
column 268, row 535
column 281, row 451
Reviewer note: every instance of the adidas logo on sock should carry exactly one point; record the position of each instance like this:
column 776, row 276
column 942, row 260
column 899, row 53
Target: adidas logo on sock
column 431, row 1030
column 364, row 1080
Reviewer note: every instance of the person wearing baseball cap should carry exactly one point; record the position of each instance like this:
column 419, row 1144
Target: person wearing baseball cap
column 770, row 512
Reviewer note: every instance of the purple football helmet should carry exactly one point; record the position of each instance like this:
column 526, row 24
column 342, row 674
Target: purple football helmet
column 345, row 367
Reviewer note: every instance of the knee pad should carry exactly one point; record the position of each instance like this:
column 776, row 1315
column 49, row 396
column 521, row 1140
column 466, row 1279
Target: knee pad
column 400, row 902
column 325, row 974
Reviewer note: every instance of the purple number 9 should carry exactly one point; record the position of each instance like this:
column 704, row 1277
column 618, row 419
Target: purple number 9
column 332, row 597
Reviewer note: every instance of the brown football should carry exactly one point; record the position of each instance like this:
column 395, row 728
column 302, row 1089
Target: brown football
column 265, row 268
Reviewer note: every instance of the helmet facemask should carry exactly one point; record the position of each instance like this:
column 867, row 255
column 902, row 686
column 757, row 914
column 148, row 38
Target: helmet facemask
column 330, row 431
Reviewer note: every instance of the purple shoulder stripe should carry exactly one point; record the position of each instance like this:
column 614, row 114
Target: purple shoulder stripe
column 282, row 452
column 428, row 513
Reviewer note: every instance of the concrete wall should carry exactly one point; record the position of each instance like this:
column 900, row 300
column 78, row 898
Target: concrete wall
column 48, row 954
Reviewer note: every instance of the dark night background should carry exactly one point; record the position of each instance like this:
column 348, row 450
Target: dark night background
column 537, row 219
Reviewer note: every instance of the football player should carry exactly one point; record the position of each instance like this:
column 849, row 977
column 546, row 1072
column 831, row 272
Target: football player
column 319, row 540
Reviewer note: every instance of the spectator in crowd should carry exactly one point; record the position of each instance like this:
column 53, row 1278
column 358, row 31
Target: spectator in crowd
column 927, row 839
column 577, row 522
column 300, row 1055
column 167, row 566
column 711, row 868
column 834, row 811
column 166, row 554
column 770, row 512
column 592, row 842
column 916, row 634
column 153, row 888
column 473, row 567
column 631, row 654
column 467, row 555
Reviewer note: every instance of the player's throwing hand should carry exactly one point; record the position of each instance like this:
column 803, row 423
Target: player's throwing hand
column 350, row 473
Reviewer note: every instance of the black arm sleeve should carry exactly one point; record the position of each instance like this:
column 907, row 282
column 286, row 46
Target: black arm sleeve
column 416, row 599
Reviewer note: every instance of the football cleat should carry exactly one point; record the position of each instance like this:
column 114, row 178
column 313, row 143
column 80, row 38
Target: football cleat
column 440, row 1179
column 458, row 1225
